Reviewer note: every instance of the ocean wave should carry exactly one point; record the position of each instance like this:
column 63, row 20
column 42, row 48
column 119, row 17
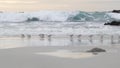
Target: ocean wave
column 58, row 16
column 93, row 16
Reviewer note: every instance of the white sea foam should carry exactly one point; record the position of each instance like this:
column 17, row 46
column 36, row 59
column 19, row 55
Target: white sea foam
column 63, row 16
column 57, row 22
column 67, row 54
column 116, row 16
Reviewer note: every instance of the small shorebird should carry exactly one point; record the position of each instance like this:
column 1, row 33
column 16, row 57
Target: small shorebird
column 41, row 35
column 79, row 37
column 28, row 36
column 119, row 39
column 22, row 36
column 71, row 37
column 112, row 38
column 49, row 37
column 101, row 38
column 91, row 38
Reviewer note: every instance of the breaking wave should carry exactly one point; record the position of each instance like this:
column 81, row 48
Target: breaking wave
column 57, row 16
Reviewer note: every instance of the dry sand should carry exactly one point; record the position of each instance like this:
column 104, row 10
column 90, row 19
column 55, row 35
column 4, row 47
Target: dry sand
column 30, row 57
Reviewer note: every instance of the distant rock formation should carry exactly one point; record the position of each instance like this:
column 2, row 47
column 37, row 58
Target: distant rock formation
column 21, row 12
column 1, row 11
column 116, row 11
column 33, row 19
column 115, row 23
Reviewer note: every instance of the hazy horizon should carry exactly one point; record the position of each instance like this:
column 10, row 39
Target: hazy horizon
column 66, row 5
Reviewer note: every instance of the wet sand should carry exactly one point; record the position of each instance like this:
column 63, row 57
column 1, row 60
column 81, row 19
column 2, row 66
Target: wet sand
column 39, row 53
column 58, row 40
column 29, row 57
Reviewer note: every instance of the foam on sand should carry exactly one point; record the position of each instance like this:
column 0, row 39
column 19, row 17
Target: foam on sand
column 6, row 43
column 67, row 54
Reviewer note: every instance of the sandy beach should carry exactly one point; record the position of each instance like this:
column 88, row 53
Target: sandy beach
column 29, row 57
column 17, row 52
column 59, row 34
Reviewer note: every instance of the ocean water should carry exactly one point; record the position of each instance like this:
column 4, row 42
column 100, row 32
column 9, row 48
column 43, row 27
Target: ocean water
column 58, row 23
column 63, row 28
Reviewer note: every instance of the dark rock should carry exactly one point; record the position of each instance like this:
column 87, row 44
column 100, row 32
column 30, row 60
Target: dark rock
column 32, row 19
column 1, row 11
column 21, row 12
column 116, row 23
column 116, row 11
column 96, row 50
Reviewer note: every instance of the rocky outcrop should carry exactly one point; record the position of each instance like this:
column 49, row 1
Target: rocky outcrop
column 96, row 50
column 116, row 11
column 115, row 23
column 32, row 19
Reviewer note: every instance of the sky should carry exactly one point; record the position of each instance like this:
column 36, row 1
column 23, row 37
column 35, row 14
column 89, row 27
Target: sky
column 37, row 5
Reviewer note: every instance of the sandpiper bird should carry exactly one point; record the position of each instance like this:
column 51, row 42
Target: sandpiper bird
column 42, row 35
column 49, row 37
column 22, row 36
column 71, row 37
column 101, row 38
column 112, row 37
column 29, row 36
column 79, row 37
column 91, row 38
column 119, row 39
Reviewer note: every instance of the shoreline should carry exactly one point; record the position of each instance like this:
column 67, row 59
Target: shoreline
column 53, row 40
